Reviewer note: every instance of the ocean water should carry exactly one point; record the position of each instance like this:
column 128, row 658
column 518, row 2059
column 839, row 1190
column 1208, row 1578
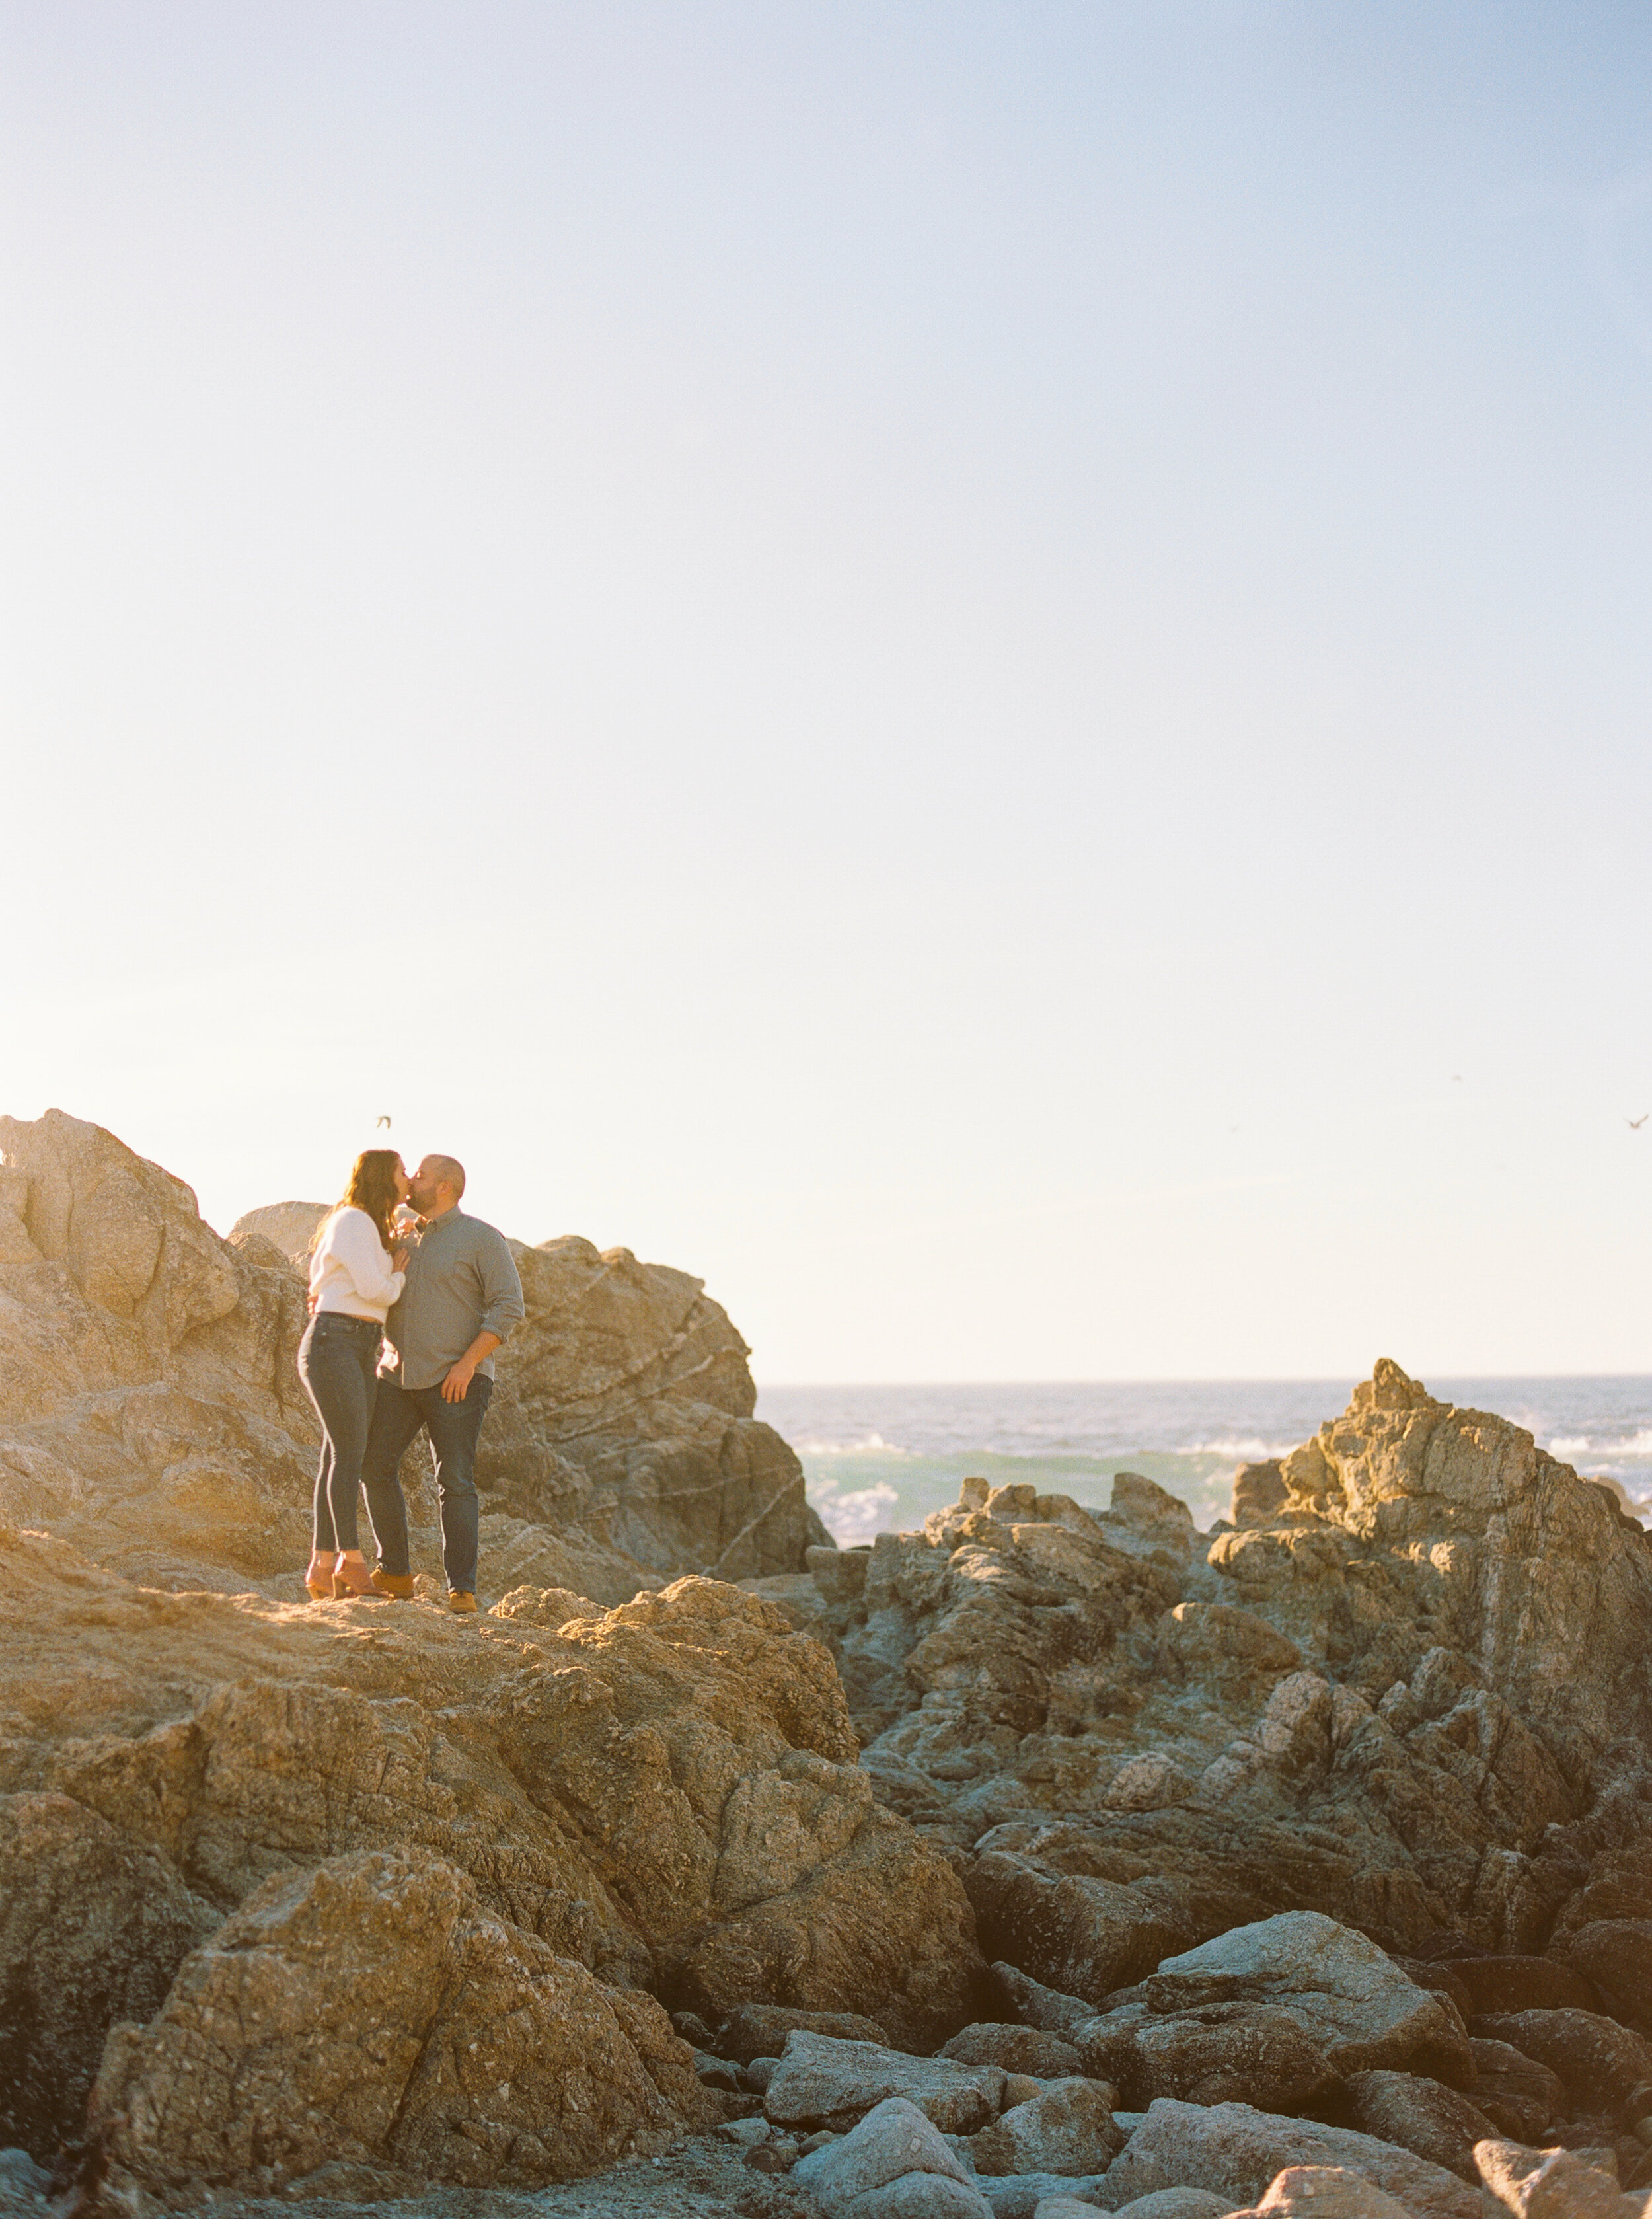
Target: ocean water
column 878, row 1460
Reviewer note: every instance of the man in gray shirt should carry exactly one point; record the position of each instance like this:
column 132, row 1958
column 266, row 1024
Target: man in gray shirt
column 463, row 1296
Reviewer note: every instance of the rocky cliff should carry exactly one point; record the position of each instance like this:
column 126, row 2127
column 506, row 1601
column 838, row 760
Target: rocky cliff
column 1048, row 1859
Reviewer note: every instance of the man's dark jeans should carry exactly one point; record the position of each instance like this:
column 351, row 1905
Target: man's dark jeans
column 454, row 1428
column 336, row 1362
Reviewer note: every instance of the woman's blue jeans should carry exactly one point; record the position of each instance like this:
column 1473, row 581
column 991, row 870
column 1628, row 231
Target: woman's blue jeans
column 337, row 1359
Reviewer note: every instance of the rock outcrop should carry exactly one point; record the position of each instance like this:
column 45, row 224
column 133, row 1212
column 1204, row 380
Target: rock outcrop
column 659, row 1801
column 150, row 1412
column 1411, row 1696
column 1342, row 1810
column 370, row 2011
column 1312, row 1856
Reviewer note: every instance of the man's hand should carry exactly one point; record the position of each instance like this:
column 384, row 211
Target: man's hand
column 456, row 1385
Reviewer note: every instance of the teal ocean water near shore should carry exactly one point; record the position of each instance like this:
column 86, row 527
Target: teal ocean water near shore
column 878, row 1460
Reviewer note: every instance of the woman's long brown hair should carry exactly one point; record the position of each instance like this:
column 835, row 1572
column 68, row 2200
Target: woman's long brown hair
column 372, row 1187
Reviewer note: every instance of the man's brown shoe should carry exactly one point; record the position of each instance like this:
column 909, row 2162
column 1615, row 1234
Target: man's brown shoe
column 399, row 1590
column 461, row 1604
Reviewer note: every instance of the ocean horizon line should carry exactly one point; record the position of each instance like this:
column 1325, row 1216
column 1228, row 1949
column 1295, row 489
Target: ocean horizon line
column 1177, row 1379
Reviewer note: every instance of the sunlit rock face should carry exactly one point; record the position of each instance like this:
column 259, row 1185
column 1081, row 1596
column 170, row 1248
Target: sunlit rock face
column 657, row 1801
column 1409, row 1690
column 150, row 1407
column 1322, row 1840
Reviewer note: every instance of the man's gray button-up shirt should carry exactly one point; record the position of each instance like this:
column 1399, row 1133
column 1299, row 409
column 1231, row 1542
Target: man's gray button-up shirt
column 462, row 1280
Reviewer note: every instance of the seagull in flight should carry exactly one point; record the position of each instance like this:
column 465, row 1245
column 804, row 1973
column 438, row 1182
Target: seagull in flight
column 1636, row 1123
column 385, row 1122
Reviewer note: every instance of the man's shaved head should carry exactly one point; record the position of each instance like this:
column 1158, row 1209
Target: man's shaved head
column 446, row 1171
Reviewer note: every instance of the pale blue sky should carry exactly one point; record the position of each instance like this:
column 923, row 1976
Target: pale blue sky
column 981, row 670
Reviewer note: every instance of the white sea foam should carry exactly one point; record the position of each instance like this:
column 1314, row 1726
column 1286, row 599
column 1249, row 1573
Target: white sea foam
column 1243, row 1451
column 852, row 1518
column 867, row 1445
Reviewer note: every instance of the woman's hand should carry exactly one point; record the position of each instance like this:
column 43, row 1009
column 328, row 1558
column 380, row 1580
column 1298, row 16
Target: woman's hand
column 398, row 1259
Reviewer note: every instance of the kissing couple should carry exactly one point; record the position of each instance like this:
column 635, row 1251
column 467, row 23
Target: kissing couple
column 409, row 1298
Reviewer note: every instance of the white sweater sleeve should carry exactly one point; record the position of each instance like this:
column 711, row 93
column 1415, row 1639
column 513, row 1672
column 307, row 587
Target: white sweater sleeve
column 352, row 1240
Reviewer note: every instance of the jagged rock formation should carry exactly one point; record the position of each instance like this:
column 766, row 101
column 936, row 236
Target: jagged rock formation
column 1312, row 1856
column 150, row 1409
column 1400, row 1698
column 1412, row 1696
column 661, row 1797
column 499, row 2062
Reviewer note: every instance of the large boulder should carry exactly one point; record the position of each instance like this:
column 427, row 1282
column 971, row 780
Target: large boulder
column 289, row 1226
column 1613, row 1956
column 1601, row 2063
column 1422, row 2116
column 1321, row 2191
column 1238, row 2152
column 1345, row 1991
column 623, row 1410
column 1083, row 1935
column 822, row 2082
column 1213, row 2054
column 1067, row 2129
column 1017, row 2048
column 1519, row 2096
column 893, row 2162
column 1552, row 2184
column 371, row 2010
column 664, row 1793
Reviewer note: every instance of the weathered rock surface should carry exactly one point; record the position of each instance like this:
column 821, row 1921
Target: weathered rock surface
column 150, row 1412
column 1601, row 2063
column 1372, row 1701
column 823, row 2082
column 1422, row 2116
column 93, row 1926
column 1348, row 1996
column 1613, row 1956
column 1017, row 2048
column 286, row 1226
column 664, row 1794
column 1067, row 2129
column 761, row 2030
column 1327, row 2192
column 1175, row 2204
column 1552, row 2184
column 371, row 2010
column 1252, row 1821
column 1238, row 2152
column 894, row 2142
column 1517, row 2094
column 1218, row 2054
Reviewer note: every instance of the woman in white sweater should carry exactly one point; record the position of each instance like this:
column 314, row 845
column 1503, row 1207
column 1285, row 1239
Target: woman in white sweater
column 356, row 1273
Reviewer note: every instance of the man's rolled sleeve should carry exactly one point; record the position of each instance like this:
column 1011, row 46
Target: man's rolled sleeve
column 501, row 1289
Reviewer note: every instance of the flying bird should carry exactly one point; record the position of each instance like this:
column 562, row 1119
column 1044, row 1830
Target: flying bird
column 1636, row 1123
column 385, row 1122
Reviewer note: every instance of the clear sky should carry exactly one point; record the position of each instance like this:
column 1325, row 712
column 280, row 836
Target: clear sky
column 981, row 670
